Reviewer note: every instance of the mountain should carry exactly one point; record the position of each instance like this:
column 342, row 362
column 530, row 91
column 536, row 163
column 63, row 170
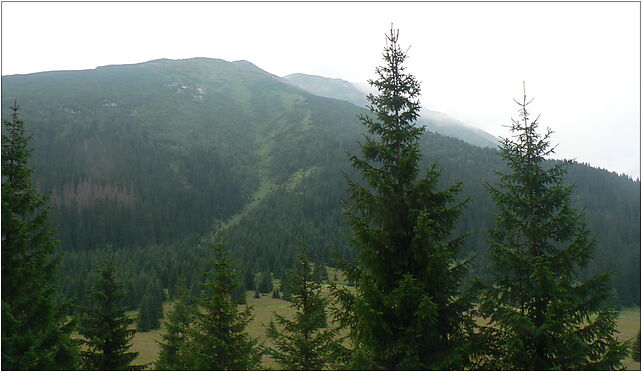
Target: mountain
column 148, row 157
column 328, row 87
column 356, row 93
column 445, row 125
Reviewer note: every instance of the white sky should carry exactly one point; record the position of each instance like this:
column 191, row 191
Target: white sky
column 581, row 61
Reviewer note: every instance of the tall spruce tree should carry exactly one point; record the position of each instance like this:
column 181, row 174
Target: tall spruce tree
column 301, row 343
column 106, row 330
column 151, row 307
column 149, row 314
column 217, row 338
column 264, row 282
column 35, row 329
column 407, row 311
column 635, row 348
column 540, row 316
column 174, row 338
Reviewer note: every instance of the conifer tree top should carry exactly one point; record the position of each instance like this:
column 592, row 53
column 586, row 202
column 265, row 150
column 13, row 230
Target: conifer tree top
column 397, row 101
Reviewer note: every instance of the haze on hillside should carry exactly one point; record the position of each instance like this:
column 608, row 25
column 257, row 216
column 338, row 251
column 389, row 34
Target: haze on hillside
column 434, row 121
column 580, row 60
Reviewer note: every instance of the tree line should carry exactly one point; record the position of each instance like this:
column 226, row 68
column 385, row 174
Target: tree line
column 412, row 304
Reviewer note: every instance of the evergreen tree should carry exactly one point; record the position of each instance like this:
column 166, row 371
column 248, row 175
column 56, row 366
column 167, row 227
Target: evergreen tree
column 35, row 331
column 151, row 307
column 635, row 348
column 148, row 315
column 320, row 272
column 106, row 330
column 407, row 311
column 217, row 339
column 248, row 280
column 239, row 295
column 264, row 282
column 172, row 354
column 540, row 316
column 301, row 344
column 276, row 293
column 285, row 288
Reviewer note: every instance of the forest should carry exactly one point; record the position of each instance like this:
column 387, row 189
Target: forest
column 199, row 182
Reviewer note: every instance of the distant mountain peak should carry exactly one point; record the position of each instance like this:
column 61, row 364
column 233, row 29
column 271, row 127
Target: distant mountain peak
column 247, row 65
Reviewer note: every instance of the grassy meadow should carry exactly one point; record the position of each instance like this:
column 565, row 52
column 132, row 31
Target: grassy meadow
column 628, row 327
column 145, row 343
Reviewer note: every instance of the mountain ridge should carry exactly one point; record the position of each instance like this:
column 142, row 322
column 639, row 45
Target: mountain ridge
column 356, row 94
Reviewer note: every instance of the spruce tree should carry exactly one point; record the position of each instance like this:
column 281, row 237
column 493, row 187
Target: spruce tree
column 151, row 307
column 320, row 272
column 264, row 282
column 285, row 288
column 35, row 329
column 106, row 330
column 148, row 314
column 541, row 317
column 217, row 339
column 276, row 293
column 635, row 348
column 407, row 311
column 239, row 295
column 174, row 338
column 301, row 343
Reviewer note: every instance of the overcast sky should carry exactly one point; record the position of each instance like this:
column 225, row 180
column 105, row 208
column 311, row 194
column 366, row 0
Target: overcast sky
column 581, row 61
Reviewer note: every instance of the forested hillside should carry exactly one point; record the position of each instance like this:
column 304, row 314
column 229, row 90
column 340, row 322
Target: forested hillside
column 149, row 157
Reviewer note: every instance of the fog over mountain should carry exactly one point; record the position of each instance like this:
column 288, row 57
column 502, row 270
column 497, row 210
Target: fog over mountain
column 584, row 72
column 329, row 87
column 356, row 93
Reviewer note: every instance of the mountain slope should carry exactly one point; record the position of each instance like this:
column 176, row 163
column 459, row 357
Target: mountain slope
column 443, row 124
column 148, row 157
column 434, row 121
column 159, row 142
column 328, row 87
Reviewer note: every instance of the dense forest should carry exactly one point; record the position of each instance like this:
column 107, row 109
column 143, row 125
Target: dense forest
column 196, row 180
column 147, row 158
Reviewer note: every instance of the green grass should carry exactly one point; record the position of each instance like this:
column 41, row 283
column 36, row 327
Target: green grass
column 628, row 327
column 145, row 343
